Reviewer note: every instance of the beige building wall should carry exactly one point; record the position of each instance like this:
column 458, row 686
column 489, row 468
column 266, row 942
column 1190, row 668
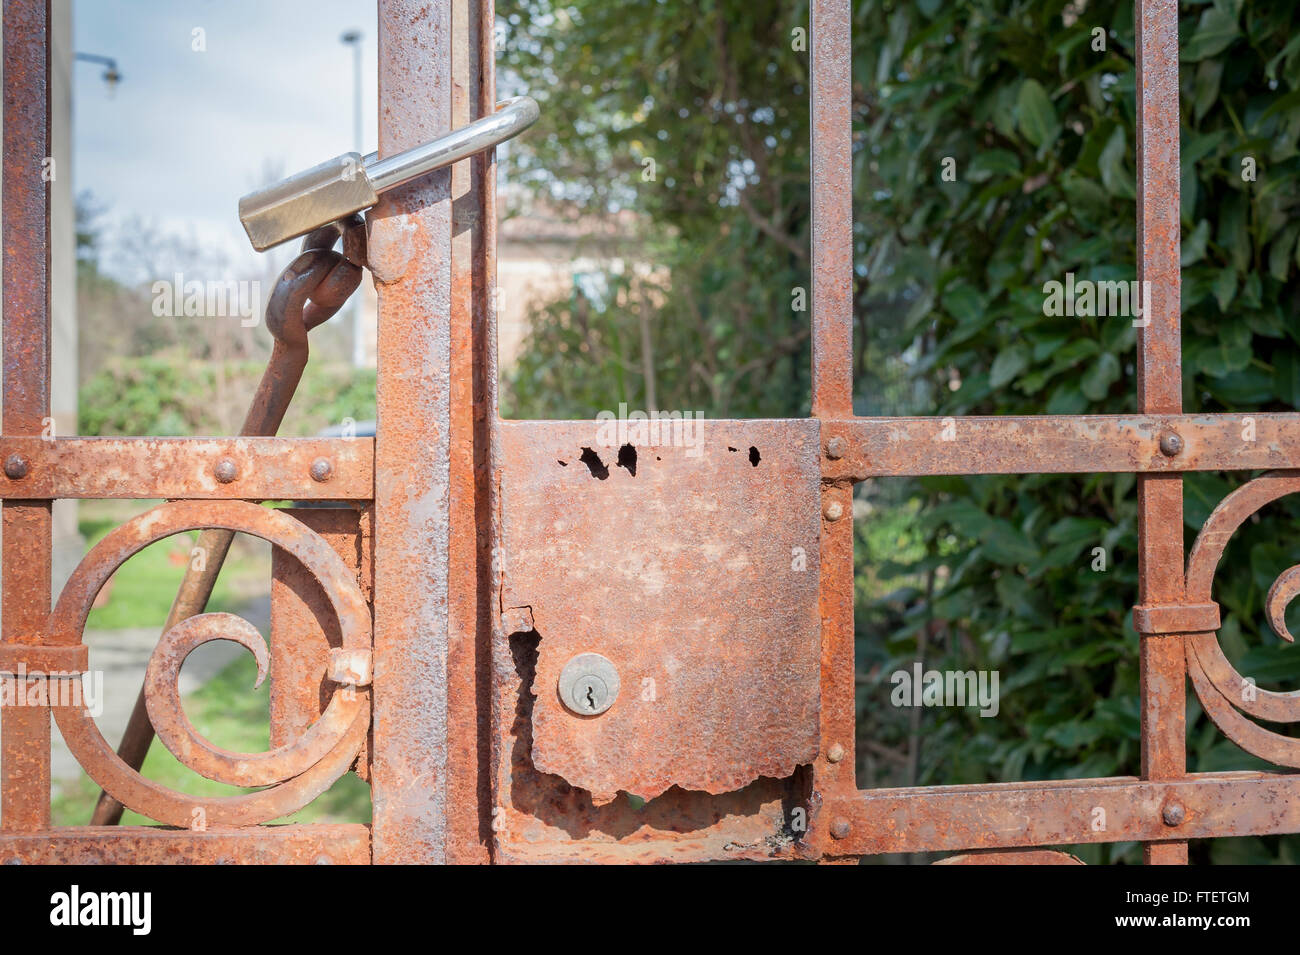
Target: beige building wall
column 541, row 250
column 538, row 258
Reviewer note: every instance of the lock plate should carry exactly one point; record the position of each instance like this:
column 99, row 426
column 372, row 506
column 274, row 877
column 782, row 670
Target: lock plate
column 694, row 571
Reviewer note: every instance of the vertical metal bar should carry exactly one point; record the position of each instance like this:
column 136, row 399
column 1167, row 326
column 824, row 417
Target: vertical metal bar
column 835, row 769
column 469, row 593
column 410, row 257
column 25, row 730
column 832, row 208
column 832, row 386
column 1160, row 497
column 486, row 454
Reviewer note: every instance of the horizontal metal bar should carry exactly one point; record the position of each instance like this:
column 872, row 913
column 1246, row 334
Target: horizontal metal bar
column 254, row 469
column 1040, row 444
column 1059, row 444
column 26, row 658
column 1012, row 857
column 337, row 844
column 719, row 844
column 1056, row 813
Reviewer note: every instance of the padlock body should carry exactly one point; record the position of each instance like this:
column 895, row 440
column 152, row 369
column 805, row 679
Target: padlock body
column 333, row 190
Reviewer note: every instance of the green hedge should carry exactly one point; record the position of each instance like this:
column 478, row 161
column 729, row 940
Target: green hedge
column 170, row 393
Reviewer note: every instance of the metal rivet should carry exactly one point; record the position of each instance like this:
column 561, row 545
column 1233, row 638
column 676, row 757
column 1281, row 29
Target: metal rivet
column 835, row 448
column 1170, row 443
column 840, row 829
column 835, row 753
column 588, row 684
column 833, row 511
column 226, row 471
column 15, row 467
column 321, row 469
column 1173, row 814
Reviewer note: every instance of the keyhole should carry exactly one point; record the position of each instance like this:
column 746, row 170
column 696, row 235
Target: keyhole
column 588, row 685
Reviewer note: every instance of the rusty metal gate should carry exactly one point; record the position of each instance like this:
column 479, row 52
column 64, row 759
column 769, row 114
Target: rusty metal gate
column 476, row 582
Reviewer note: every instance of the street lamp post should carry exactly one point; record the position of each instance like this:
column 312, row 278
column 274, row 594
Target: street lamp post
column 352, row 38
column 111, row 76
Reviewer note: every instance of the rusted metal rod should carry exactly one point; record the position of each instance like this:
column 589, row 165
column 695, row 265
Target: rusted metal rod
column 862, row 448
column 1162, row 665
column 25, row 731
column 148, row 469
column 308, row 292
column 1062, row 812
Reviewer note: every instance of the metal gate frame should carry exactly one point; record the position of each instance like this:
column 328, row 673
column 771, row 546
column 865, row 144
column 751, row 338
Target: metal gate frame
column 1176, row 617
column 442, row 751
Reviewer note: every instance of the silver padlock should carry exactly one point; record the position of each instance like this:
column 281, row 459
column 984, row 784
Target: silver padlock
column 350, row 183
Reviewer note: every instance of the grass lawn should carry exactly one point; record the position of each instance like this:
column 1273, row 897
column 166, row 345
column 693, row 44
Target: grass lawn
column 141, row 592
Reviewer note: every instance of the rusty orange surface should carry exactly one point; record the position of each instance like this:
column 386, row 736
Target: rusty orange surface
column 694, row 570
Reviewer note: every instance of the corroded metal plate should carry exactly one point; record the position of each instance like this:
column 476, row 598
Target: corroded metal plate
column 688, row 558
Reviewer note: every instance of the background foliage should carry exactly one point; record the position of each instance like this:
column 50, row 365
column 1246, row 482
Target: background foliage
column 169, row 393
column 962, row 573
column 140, row 374
column 715, row 99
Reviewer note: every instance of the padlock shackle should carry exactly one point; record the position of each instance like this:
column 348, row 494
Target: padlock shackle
column 511, row 117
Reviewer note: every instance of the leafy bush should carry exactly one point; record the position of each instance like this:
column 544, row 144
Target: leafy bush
column 674, row 112
column 170, row 393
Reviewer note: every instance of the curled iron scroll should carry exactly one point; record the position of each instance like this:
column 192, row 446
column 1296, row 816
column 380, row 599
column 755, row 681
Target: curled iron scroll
column 1228, row 697
column 293, row 774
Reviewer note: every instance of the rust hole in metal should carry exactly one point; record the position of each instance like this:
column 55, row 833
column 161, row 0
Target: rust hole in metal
column 754, row 456
column 627, row 459
column 594, row 464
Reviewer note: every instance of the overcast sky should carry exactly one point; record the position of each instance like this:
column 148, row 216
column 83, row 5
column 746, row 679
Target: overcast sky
column 186, row 133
